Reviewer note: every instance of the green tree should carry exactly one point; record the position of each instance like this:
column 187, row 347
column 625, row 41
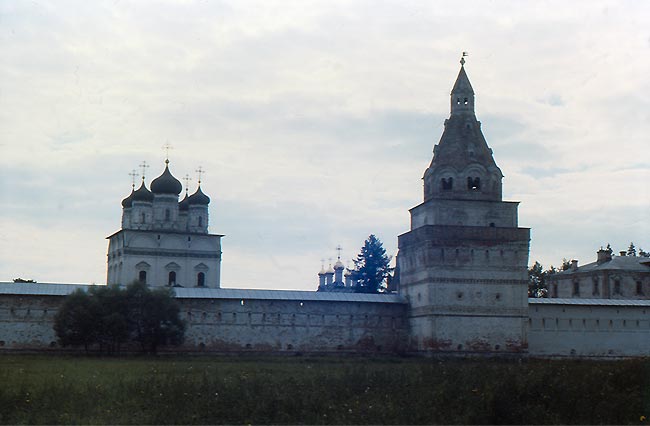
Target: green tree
column 111, row 316
column 372, row 267
column 154, row 317
column 631, row 250
column 537, row 281
column 75, row 323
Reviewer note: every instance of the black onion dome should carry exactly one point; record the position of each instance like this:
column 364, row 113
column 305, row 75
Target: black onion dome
column 128, row 201
column 199, row 198
column 184, row 205
column 166, row 184
column 142, row 194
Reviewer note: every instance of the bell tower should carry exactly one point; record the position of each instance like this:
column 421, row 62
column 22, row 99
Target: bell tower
column 463, row 264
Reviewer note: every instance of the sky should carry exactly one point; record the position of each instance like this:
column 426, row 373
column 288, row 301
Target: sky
column 314, row 122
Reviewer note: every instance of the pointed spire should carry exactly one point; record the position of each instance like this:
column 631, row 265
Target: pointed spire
column 462, row 85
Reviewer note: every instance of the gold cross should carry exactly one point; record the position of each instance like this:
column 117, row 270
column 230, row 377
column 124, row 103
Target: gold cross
column 200, row 171
column 133, row 174
column 187, row 180
column 167, row 147
column 144, row 166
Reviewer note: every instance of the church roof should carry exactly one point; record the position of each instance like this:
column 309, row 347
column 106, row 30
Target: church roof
column 142, row 194
column 618, row 263
column 184, row 205
column 128, row 201
column 166, row 183
column 199, row 198
column 462, row 84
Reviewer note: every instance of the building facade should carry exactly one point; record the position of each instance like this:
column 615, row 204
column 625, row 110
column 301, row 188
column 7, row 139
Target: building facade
column 164, row 242
column 609, row 277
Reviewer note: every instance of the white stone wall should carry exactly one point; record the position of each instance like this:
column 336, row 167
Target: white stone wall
column 226, row 325
column 581, row 329
column 465, row 213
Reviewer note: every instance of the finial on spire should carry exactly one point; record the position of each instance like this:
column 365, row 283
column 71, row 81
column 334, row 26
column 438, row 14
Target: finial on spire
column 339, row 248
column 167, row 147
column 133, row 174
column 462, row 59
column 200, row 171
column 143, row 166
column 187, row 180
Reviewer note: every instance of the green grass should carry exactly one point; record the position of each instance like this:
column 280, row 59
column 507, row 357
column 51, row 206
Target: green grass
column 209, row 390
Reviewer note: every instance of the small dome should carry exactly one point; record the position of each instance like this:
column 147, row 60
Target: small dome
column 166, row 183
column 199, row 198
column 329, row 270
column 184, row 205
column 142, row 194
column 128, row 201
column 322, row 271
column 338, row 265
column 347, row 273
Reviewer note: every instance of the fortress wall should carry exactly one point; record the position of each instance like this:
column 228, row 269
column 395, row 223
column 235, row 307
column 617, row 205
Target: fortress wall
column 227, row 325
column 291, row 325
column 557, row 329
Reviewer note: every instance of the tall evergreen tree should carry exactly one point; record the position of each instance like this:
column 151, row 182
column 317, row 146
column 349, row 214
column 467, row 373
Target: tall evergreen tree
column 631, row 250
column 372, row 266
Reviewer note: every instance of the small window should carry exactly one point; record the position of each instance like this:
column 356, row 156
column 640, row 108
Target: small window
column 617, row 287
column 200, row 220
column 200, row 279
column 465, row 101
column 473, row 184
column 457, row 101
column 168, row 215
column 447, row 184
column 639, row 288
column 172, row 279
column 142, row 217
column 576, row 288
column 142, row 277
column 596, row 291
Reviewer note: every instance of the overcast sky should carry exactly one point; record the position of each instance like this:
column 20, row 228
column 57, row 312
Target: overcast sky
column 314, row 122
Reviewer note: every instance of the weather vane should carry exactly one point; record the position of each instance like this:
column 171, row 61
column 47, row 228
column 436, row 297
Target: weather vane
column 144, row 166
column 462, row 58
column 133, row 174
column 200, row 171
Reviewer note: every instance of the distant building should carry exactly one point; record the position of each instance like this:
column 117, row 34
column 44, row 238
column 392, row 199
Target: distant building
column 335, row 280
column 609, row 277
column 164, row 242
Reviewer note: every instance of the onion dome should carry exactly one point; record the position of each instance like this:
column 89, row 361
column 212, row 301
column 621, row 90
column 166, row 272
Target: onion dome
column 338, row 265
column 322, row 271
column 199, row 198
column 128, row 201
column 329, row 270
column 142, row 194
column 166, row 183
column 184, row 205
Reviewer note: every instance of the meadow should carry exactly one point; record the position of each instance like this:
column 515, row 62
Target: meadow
column 326, row 390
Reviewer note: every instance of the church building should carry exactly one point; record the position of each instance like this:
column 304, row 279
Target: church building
column 164, row 242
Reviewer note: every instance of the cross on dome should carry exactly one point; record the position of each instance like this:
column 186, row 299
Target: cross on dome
column 200, row 171
column 187, row 180
column 167, row 147
column 133, row 174
column 143, row 166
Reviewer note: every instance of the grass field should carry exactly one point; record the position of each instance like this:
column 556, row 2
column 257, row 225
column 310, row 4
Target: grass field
column 209, row 390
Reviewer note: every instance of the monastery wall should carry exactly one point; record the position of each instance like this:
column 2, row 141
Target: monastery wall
column 234, row 325
column 589, row 328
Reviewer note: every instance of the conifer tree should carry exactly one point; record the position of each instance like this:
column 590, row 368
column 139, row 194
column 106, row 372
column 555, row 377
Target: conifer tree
column 372, row 266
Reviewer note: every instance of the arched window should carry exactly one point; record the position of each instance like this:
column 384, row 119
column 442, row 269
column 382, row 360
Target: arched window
column 200, row 279
column 172, row 278
column 473, row 184
column 200, row 220
column 142, row 277
column 447, row 184
column 168, row 214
